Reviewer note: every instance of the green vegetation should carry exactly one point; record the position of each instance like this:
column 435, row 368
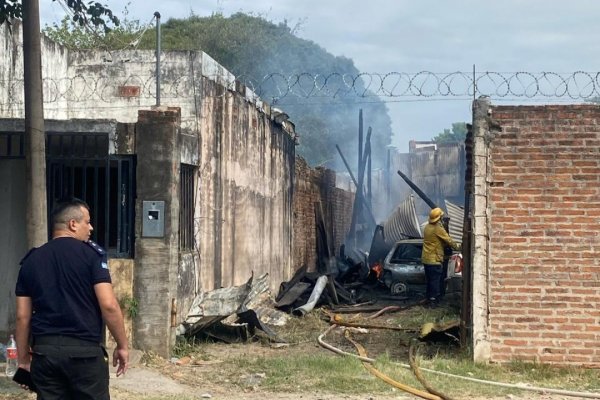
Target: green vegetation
column 305, row 366
column 84, row 13
column 129, row 305
column 188, row 347
column 263, row 55
column 319, row 372
column 75, row 36
column 457, row 134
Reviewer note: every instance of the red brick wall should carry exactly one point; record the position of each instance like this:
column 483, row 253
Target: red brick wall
column 313, row 185
column 544, row 199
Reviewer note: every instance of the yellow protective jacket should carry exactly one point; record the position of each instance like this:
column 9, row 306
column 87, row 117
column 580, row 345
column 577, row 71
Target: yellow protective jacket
column 435, row 238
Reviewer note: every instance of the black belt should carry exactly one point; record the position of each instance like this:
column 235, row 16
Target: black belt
column 62, row 341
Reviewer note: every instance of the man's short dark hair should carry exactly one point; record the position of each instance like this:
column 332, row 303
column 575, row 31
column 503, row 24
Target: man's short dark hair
column 68, row 209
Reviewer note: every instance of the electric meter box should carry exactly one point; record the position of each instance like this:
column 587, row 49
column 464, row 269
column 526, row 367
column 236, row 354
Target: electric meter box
column 153, row 219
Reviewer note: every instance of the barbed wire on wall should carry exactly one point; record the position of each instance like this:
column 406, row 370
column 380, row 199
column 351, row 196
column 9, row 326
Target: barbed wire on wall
column 578, row 85
column 424, row 85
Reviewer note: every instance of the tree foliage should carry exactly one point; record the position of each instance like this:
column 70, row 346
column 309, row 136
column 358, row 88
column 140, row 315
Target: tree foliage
column 253, row 48
column 10, row 9
column 84, row 13
column 456, row 135
column 595, row 100
column 80, row 37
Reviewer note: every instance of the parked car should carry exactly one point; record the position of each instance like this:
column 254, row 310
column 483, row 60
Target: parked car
column 403, row 272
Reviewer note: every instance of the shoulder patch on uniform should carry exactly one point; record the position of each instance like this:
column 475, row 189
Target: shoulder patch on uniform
column 27, row 255
column 104, row 265
column 96, row 247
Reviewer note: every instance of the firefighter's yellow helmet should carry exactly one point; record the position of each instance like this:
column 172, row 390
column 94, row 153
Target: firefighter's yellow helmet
column 435, row 215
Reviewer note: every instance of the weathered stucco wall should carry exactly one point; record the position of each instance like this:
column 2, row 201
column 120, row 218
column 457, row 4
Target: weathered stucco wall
column 113, row 84
column 121, row 272
column 539, row 170
column 157, row 258
column 244, row 159
column 244, row 219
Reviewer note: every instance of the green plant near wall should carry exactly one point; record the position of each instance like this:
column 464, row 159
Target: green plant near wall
column 130, row 305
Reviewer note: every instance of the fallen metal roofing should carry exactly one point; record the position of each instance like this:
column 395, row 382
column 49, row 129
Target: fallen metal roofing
column 214, row 306
column 402, row 222
column 457, row 215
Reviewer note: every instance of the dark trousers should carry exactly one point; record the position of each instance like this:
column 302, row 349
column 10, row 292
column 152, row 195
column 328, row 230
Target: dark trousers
column 443, row 278
column 65, row 368
column 435, row 282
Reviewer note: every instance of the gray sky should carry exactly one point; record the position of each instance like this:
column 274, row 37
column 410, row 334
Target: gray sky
column 383, row 36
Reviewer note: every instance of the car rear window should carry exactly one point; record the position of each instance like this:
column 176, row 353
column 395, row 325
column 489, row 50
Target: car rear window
column 407, row 252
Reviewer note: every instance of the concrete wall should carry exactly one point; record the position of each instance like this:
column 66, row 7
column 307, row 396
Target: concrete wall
column 244, row 202
column 115, row 85
column 245, row 160
column 157, row 258
column 537, row 276
column 121, row 272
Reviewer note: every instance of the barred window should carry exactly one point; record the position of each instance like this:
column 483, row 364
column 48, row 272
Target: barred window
column 78, row 165
column 186, row 207
column 11, row 145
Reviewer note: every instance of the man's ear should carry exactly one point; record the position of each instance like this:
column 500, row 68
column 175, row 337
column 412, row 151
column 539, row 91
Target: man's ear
column 71, row 225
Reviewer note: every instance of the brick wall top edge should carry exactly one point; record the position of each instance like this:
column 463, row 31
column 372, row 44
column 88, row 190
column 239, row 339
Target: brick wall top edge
column 549, row 107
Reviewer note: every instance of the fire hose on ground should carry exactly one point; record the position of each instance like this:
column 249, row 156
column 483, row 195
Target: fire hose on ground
column 387, row 379
column 366, row 360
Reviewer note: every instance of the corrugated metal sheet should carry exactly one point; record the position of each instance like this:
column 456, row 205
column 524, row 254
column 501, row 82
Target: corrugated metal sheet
column 216, row 305
column 457, row 215
column 402, row 223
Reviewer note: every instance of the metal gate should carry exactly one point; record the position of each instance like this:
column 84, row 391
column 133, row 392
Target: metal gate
column 79, row 165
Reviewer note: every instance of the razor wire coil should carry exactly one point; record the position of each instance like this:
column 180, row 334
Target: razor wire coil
column 579, row 85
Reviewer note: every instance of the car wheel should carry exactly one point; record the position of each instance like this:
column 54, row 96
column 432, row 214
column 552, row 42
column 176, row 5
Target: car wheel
column 399, row 288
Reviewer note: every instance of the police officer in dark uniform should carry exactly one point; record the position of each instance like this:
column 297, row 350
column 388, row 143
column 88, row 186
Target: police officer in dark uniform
column 64, row 293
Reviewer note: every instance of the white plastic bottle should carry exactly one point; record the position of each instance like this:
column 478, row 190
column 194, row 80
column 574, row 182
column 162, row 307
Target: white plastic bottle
column 12, row 361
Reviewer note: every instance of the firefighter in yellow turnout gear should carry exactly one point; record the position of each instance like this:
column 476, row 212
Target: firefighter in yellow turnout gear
column 435, row 239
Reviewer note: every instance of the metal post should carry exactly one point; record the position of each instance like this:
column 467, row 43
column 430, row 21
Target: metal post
column 157, row 15
column 369, row 182
column 474, row 84
column 360, row 139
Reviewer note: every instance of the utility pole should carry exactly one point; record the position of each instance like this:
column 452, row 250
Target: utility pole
column 35, row 138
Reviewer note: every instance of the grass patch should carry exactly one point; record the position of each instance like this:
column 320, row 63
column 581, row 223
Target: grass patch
column 324, row 373
column 305, row 329
column 189, row 347
column 565, row 378
column 306, row 367
column 415, row 317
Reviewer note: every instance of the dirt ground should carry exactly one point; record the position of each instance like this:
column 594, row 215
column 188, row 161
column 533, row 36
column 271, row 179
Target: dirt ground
column 164, row 379
column 142, row 382
column 212, row 375
column 161, row 379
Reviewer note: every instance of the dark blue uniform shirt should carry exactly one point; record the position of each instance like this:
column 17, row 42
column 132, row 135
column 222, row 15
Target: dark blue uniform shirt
column 60, row 277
